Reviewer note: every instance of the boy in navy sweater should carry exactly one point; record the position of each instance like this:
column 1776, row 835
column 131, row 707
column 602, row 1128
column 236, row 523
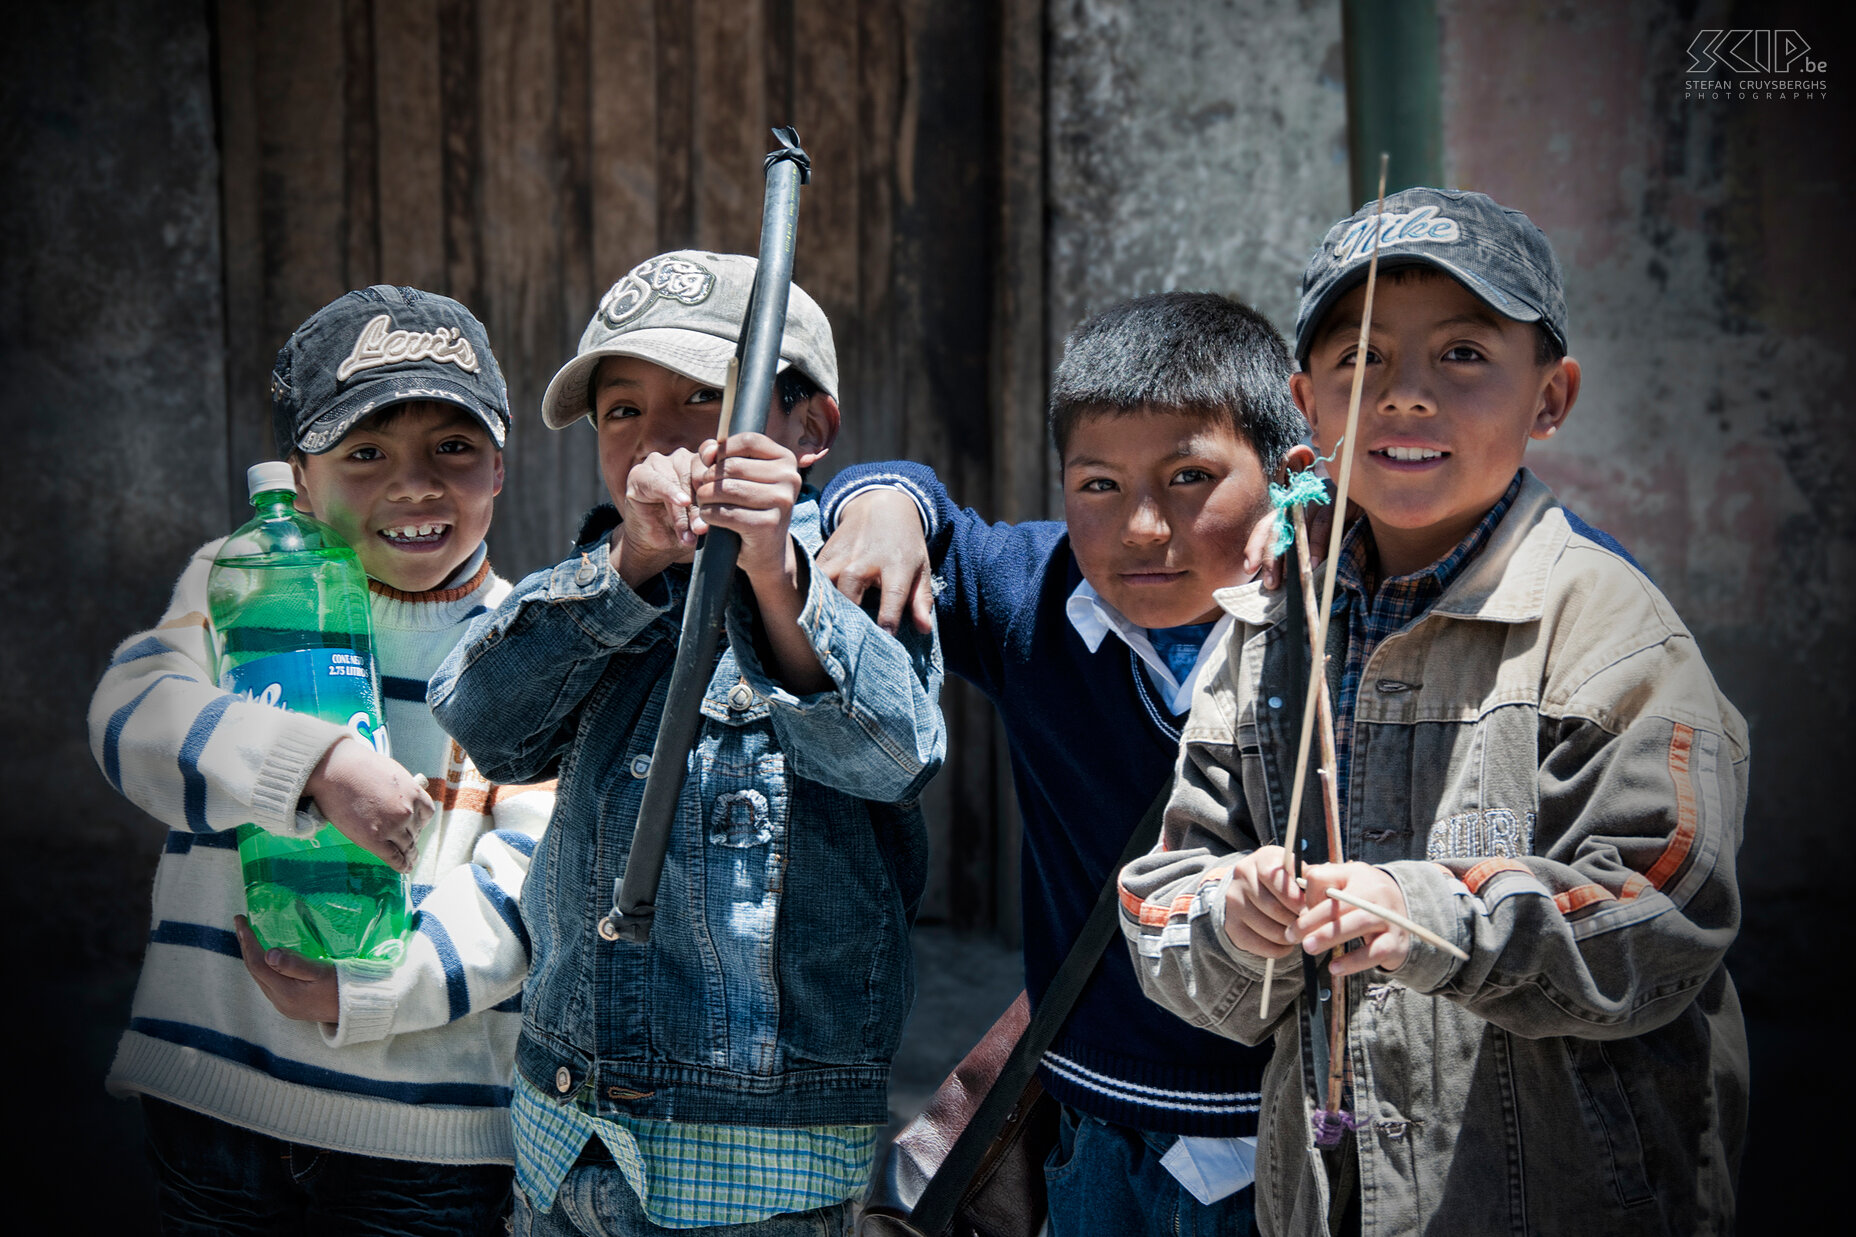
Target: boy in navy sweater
column 1169, row 414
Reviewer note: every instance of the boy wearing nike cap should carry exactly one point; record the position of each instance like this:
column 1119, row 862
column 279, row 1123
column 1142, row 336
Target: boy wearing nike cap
column 1534, row 764
column 732, row 1071
column 358, row 1097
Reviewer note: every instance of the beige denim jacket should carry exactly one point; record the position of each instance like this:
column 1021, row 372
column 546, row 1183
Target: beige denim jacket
column 1544, row 764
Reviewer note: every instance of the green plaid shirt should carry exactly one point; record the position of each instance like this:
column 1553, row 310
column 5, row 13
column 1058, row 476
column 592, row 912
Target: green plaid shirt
column 693, row 1176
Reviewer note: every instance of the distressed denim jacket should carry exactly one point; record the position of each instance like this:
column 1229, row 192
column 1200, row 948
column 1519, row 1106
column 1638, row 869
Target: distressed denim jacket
column 778, row 975
column 1545, row 766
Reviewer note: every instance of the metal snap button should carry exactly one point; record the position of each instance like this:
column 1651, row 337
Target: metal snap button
column 584, row 575
column 641, row 765
column 563, row 1080
column 740, row 696
column 1275, row 702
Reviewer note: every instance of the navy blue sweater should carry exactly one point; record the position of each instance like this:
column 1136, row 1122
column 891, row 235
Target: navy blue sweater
column 1092, row 744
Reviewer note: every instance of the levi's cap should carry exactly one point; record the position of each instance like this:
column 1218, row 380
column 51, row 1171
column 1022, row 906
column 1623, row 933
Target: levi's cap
column 683, row 310
column 1495, row 252
column 380, row 346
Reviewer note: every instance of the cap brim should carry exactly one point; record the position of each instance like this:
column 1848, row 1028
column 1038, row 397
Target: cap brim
column 384, row 391
column 1354, row 275
column 693, row 354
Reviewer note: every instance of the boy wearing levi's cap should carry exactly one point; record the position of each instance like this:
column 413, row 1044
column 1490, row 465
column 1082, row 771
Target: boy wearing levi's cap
column 359, row 1096
column 1534, row 764
column 733, row 1069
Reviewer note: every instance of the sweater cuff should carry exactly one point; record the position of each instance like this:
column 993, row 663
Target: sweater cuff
column 924, row 505
column 1435, row 898
column 368, row 998
column 300, row 744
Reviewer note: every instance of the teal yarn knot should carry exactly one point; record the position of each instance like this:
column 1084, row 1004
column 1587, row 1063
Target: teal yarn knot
column 1303, row 488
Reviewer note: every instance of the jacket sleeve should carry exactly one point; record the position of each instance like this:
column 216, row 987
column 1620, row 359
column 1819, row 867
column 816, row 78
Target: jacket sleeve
column 986, row 574
column 469, row 950
column 1172, row 899
column 1628, row 902
column 511, row 690
column 878, row 734
column 191, row 755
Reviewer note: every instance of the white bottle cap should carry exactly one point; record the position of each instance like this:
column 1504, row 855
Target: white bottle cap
column 270, row 475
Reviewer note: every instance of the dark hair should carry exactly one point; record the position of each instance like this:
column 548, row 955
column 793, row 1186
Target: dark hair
column 794, row 388
column 1194, row 352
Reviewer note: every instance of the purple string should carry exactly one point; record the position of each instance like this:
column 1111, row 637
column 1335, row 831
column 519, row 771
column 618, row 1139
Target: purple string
column 1329, row 1126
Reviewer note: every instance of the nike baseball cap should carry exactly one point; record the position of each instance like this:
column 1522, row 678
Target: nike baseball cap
column 375, row 347
column 1495, row 252
column 683, row 310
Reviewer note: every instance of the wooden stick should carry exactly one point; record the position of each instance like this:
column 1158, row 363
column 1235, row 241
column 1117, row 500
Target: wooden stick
column 1330, row 805
column 1337, row 1038
column 1398, row 920
column 1315, row 680
column 1330, row 763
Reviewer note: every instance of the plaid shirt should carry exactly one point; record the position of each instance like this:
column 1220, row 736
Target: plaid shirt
column 693, row 1176
column 1373, row 610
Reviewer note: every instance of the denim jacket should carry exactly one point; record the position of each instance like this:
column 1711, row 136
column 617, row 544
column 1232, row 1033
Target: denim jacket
column 778, row 975
column 1545, row 766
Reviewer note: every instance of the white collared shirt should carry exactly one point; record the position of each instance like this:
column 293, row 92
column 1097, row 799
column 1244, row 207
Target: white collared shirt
column 1095, row 620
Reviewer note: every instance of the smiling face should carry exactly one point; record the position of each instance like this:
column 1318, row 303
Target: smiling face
column 640, row 407
column 1453, row 393
column 413, row 496
column 1159, row 504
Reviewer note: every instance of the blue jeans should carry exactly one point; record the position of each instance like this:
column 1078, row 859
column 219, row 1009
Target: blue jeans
column 596, row 1201
column 216, row 1178
column 1106, row 1181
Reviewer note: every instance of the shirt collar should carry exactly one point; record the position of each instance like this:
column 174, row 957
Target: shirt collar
column 1356, row 552
column 1095, row 620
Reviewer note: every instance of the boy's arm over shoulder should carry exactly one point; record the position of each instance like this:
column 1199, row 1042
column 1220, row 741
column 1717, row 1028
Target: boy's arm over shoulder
column 1626, row 901
column 190, row 754
column 987, row 573
column 470, row 951
column 511, row 688
column 1173, row 900
column 878, row 733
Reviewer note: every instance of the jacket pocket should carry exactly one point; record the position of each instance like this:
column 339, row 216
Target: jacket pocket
column 1606, row 1109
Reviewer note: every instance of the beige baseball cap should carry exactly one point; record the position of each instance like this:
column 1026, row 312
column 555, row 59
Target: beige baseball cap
column 683, row 310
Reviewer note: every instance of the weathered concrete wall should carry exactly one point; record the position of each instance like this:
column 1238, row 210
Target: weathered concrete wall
column 1711, row 434
column 1192, row 145
column 113, row 400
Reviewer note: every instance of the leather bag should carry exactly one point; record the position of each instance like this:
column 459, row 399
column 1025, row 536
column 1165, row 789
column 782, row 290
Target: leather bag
column 972, row 1164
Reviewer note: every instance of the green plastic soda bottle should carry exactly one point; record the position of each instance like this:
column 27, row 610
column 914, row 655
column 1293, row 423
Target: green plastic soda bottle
column 290, row 622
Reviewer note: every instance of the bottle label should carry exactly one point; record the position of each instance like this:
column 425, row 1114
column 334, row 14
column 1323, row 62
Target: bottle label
column 335, row 685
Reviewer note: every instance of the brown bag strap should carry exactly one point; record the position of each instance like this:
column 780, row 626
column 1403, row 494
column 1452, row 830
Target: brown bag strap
column 934, row 1212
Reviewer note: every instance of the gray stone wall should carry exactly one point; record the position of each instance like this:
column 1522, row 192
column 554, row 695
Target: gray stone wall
column 1191, row 145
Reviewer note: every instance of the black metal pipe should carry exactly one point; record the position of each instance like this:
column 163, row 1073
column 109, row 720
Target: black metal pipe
column 757, row 358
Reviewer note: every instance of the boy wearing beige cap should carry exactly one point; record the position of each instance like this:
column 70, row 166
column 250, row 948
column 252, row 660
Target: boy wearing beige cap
column 732, row 1071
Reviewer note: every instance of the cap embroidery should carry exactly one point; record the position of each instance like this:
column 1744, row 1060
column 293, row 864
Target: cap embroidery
column 677, row 278
column 1411, row 228
column 380, row 345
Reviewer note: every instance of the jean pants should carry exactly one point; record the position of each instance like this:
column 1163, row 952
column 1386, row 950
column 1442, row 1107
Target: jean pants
column 216, row 1178
column 1107, row 1181
column 595, row 1200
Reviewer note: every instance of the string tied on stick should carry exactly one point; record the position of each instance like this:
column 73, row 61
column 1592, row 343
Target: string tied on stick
column 1304, row 487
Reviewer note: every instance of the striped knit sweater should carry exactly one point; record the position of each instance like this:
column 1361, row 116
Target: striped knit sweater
column 419, row 1065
